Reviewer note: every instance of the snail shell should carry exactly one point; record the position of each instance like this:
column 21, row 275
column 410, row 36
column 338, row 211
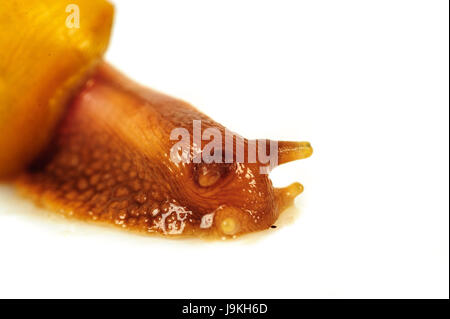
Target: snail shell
column 43, row 62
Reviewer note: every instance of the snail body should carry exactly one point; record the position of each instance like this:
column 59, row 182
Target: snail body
column 110, row 159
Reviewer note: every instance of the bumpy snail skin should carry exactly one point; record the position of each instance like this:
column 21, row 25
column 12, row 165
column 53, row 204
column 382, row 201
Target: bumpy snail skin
column 110, row 162
column 43, row 62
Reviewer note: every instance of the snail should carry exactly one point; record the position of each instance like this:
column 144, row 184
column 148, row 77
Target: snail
column 86, row 141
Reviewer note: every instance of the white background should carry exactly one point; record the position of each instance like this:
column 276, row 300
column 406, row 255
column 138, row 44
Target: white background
column 366, row 82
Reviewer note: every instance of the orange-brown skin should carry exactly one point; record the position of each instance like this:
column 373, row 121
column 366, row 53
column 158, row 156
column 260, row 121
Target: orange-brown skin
column 110, row 162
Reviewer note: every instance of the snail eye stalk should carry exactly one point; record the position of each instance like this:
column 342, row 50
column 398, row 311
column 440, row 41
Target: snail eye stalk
column 292, row 151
